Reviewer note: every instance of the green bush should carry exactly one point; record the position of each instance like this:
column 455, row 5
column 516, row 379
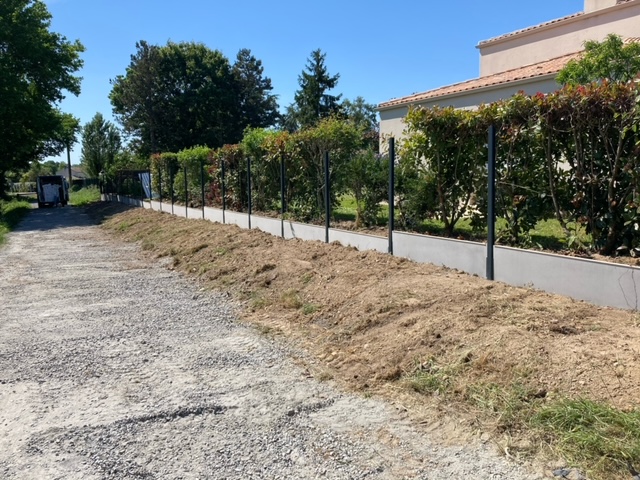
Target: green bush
column 368, row 180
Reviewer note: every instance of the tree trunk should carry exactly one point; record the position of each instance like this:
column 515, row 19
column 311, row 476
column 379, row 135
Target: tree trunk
column 69, row 165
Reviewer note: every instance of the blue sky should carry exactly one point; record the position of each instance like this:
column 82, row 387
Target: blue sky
column 381, row 49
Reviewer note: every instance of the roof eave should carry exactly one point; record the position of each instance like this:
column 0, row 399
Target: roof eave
column 550, row 25
column 462, row 93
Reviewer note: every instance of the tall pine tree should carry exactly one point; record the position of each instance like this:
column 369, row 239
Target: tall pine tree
column 258, row 108
column 312, row 101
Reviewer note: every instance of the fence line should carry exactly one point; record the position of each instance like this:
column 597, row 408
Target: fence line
column 600, row 283
column 596, row 282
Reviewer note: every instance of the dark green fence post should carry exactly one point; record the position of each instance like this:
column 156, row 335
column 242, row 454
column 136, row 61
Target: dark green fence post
column 186, row 193
column 392, row 193
column 282, row 195
column 224, row 192
column 491, row 213
column 172, row 176
column 327, row 199
column 249, row 190
column 202, row 184
column 160, row 186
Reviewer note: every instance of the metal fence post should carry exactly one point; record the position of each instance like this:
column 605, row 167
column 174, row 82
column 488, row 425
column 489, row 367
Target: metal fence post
column 392, row 188
column 249, row 190
column 327, row 200
column 160, row 186
column 202, row 184
column 491, row 214
column 173, row 192
column 186, row 193
column 224, row 193
column 282, row 195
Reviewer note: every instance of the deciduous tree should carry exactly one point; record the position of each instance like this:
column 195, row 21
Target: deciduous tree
column 184, row 94
column 610, row 60
column 37, row 66
column 101, row 143
column 67, row 135
column 365, row 117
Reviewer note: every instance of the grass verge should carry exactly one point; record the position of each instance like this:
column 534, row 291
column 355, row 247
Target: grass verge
column 596, row 438
column 11, row 212
column 85, row 196
column 588, row 433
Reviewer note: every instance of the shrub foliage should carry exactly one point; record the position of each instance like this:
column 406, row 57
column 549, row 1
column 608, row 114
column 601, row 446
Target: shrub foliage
column 572, row 155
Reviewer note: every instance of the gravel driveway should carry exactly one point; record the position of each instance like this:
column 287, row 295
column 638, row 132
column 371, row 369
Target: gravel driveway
column 114, row 367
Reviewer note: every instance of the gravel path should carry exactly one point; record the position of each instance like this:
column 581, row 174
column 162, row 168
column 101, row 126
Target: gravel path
column 113, row 368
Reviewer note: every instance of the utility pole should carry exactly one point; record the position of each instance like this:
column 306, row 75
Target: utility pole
column 69, row 165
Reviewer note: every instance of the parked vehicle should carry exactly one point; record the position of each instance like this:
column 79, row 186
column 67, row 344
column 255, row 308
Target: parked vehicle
column 52, row 190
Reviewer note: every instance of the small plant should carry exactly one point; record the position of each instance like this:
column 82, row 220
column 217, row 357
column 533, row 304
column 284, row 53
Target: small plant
column 430, row 378
column 309, row 308
column 291, row 300
column 257, row 301
column 204, row 268
column 123, row 226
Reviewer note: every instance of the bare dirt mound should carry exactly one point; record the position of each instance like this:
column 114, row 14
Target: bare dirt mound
column 384, row 325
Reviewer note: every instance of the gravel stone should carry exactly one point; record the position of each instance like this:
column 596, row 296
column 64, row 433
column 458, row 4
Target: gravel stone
column 113, row 367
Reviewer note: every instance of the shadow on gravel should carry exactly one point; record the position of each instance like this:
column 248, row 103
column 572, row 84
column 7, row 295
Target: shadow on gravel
column 41, row 219
column 101, row 211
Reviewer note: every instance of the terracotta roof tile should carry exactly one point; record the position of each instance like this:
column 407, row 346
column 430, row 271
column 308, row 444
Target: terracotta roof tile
column 528, row 29
column 550, row 22
column 530, row 71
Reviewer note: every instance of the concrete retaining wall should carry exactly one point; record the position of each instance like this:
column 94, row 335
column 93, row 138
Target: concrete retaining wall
column 267, row 224
column 360, row 241
column 596, row 282
column 235, row 218
column 468, row 257
column 602, row 283
column 303, row 231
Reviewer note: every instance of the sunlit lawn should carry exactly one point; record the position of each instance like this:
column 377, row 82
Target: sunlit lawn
column 548, row 234
column 84, row 196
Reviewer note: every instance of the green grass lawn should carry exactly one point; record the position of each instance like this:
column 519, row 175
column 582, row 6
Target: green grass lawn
column 85, row 196
column 547, row 234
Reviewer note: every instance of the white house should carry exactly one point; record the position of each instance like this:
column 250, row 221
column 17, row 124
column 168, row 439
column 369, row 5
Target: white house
column 526, row 60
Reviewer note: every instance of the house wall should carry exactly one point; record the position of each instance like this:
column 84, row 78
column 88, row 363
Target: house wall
column 592, row 5
column 558, row 39
column 392, row 119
